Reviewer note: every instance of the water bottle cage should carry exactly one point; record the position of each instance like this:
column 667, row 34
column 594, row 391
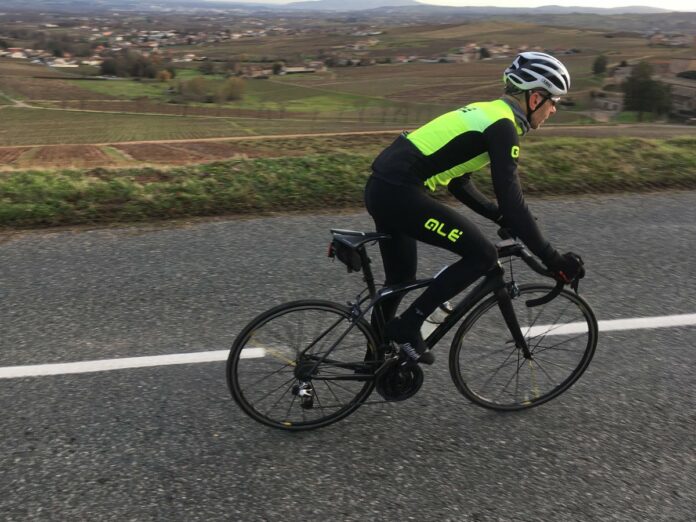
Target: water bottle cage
column 440, row 314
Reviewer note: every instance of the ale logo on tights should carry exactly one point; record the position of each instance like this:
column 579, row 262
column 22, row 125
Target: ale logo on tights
column 515, row 153
column 437, row 227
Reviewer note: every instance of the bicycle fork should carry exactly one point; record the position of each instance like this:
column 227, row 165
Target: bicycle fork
column 505, row 304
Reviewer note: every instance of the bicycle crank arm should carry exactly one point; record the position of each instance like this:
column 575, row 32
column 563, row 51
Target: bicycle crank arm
column 386, row 365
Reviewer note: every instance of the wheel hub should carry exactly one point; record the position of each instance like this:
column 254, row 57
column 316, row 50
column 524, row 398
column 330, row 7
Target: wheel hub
column 305, row 369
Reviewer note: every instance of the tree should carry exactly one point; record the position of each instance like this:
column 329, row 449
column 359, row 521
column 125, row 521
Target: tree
column 232, row 89
column 231, row 69
column 600, row 65
column 644, row 94
column 134, row 64
column 113, row 67
column 207, row 68
column 484, row 53
column 164, row 75
column 58, row 48
column 140, row 67
column 278, row 68
column 194, row 89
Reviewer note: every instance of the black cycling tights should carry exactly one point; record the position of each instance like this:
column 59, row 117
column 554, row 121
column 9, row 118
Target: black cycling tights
column 409, row 214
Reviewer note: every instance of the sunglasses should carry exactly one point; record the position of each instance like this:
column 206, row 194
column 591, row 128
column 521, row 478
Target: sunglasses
column 553, row 99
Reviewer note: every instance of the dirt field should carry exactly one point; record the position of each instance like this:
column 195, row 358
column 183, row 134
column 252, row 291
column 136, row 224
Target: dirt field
column 75, row 155
column 155, row 153
column 214, row 150
column 612, row 131
column 148, row 107
column 180, row 152
column 9, row 155
column 45, row 89
column 449, row 94
column 12, row 67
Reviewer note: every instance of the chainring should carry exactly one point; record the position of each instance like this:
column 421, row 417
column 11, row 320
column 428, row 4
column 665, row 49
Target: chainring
column 400, row 382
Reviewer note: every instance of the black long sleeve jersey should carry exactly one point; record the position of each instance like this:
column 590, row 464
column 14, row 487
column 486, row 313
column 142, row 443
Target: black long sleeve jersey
column 448, row 149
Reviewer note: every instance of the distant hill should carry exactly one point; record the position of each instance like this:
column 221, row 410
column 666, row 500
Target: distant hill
column 666, row 21
column 632, row 18
column 408, row 8
column 350, row 5
column 634, row 9
column 361, row 5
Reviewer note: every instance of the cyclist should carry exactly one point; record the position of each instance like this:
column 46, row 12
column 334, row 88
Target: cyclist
column 445, row 152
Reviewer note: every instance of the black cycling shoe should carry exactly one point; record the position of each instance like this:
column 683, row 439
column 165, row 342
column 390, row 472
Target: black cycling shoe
column 409, row 340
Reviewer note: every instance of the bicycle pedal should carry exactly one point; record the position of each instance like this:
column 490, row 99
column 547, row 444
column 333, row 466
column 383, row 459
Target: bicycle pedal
column 405, row 360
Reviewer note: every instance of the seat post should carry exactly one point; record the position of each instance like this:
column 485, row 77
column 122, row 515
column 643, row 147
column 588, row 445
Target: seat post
column 367, row 272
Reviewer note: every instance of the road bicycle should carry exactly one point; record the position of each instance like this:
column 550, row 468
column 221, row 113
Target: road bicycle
column 306, row 364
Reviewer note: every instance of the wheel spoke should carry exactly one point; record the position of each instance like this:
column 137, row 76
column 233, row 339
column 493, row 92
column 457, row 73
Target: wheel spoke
column 551, row 379
column 281, row 385
column 505, row 363
column 493, row 378
column 541, row 309
column 267, row 375
column 520, row 363
column 555, row 346
column 549, row 362
column 288, row 389
column 263, row 385
column 328, row 387
column 292, row 403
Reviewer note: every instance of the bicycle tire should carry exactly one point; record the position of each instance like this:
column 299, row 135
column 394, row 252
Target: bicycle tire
column 276, row 339
column 494, row 373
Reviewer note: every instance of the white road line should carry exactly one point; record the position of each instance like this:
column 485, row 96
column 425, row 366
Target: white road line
column 639, row 323
column 104, row 365
column 11, row 372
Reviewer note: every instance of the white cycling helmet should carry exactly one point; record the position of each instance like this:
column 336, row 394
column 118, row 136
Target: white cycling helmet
column 532, row 70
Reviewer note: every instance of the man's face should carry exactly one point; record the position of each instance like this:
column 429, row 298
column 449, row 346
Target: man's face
column 546, row 107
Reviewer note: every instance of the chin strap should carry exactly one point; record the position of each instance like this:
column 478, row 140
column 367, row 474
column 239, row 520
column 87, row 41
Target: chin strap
column 526, row 104
column 527, row 94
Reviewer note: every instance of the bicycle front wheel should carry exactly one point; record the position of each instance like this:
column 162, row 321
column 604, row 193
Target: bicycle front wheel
column 302, row 365
column 492, row 372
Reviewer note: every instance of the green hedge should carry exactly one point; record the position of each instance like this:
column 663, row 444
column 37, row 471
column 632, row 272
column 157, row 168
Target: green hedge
column 320, row 181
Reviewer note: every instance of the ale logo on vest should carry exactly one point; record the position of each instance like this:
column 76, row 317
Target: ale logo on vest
column 437, row 227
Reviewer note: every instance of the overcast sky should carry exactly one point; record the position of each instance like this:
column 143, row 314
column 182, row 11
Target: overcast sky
column 676, row 5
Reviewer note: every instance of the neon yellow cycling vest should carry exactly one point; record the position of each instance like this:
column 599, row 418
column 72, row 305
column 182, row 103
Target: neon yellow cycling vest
column 432, row 138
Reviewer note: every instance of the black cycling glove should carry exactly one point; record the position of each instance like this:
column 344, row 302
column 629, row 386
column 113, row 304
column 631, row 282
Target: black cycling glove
column 567, row 267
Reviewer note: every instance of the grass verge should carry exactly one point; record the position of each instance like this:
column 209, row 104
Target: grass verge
column 319, row 181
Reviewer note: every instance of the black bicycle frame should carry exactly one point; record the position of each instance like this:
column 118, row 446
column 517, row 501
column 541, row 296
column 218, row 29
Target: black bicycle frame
column 492, row 283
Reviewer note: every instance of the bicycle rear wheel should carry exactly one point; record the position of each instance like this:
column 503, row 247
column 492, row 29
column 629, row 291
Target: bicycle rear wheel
column 302, row 365
column 492, row 372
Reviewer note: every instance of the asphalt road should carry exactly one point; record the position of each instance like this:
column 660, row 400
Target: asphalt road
column 167, row 443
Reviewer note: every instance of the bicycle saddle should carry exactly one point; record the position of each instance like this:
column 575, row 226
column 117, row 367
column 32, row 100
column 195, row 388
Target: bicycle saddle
column 354, row 239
